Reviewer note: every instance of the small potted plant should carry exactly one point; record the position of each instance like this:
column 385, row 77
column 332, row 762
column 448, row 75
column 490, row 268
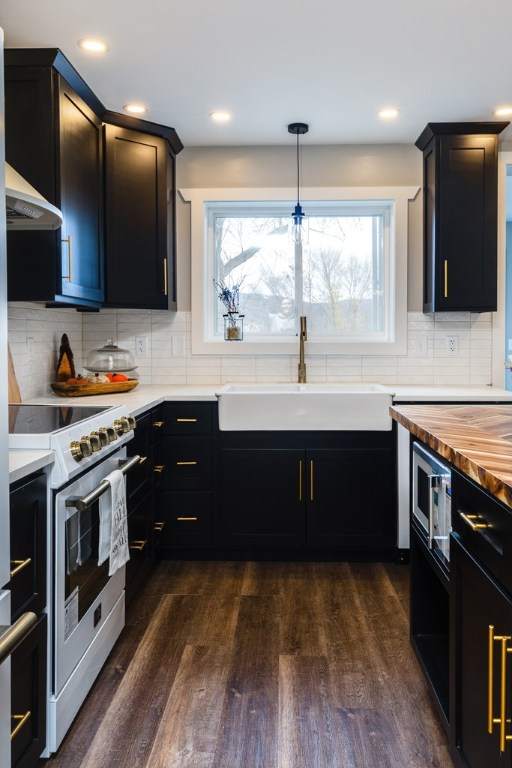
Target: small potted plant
column 233, row 320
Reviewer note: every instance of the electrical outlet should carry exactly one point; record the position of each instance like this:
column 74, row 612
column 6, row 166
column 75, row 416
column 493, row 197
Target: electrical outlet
column 141, row 346
column 452, row 345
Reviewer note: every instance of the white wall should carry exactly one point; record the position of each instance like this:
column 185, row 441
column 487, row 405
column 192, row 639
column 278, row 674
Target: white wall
column 169, row 357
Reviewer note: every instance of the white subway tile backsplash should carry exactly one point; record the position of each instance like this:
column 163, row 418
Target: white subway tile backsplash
column 170, row 361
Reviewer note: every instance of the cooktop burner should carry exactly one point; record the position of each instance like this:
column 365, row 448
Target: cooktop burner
column 46, row 419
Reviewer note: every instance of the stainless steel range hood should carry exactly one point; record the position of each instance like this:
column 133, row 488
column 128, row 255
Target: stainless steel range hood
column 26, row 208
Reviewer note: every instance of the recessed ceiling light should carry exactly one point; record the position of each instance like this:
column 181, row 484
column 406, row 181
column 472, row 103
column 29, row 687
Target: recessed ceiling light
column 503, row 111
column 220, row 117
column 135, row 109
column 389, row 113
column 93, row 45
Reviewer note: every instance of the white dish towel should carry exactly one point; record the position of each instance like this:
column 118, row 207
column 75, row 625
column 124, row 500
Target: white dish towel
column 113, row 535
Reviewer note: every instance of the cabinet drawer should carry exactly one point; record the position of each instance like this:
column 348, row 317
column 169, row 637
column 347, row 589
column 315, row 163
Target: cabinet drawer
column 27, row 503
column 188, row 463
column 188, row 519
column 188, row 418
column 28, row 698
column 483, row 526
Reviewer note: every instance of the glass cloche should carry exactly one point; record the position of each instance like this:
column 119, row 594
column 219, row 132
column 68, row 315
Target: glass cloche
column 109, row 359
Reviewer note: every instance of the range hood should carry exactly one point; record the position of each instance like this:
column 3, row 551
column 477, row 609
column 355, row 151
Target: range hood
column 26, row 208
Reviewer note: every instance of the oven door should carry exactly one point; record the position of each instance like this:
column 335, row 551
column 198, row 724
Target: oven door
column 84, row 595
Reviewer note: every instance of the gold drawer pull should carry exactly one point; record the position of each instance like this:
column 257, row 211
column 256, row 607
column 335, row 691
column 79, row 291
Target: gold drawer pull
column 186, row 421
column 311, row 481
column 470, row 520
column 142, row 459
column 300, row 480
column 158, row 424
column 19, row 565
column 502, row 719
column 186, row 463
column 186, row 519
column 446, row 278
column 159, row 527
column 138, row 545
column 165, row 277
column 159, row 468
column 21, row 720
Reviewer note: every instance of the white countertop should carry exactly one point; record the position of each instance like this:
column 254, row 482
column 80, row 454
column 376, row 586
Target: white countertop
column 22, row 463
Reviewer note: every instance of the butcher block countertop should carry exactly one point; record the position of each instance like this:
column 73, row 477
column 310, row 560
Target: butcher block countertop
column 476, row 439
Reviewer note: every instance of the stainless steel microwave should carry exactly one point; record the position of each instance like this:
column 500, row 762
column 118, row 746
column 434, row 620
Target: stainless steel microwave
column 431, row 500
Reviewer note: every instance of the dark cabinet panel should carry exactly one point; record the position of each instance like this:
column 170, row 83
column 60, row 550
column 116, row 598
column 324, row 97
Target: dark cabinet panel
column 28, row 521
column 188, row 519
column 28, row 698
column 460, row 188
column 350, row 499
column 263, row 495
column 54, row 139
column 137, row 267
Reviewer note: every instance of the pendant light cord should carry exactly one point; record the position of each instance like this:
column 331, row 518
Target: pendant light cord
column 298, row 171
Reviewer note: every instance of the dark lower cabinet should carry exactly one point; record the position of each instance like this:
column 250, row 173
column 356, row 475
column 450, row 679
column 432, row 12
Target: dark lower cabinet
column 310, row 499
column 28, row 698
column 263, row 494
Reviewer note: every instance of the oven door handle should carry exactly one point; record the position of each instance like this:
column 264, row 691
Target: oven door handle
column 82, row 502
column 14, row 634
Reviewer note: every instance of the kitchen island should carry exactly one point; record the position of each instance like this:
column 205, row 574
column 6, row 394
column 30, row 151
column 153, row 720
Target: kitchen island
column 461, row 614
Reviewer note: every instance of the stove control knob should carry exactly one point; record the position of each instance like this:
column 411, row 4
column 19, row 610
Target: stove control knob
column 121, row 425
column 131, row 422
column 85, row 446
column 111, row 433
column 103, row 436
column 95, row 441
column 81, row 449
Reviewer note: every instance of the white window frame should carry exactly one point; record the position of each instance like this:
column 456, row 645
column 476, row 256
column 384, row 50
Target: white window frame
column 203, row 294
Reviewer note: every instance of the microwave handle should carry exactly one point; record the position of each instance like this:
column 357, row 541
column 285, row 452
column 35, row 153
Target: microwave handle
column 434, row 481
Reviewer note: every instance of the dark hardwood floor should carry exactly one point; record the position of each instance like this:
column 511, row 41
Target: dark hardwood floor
column 262, row 665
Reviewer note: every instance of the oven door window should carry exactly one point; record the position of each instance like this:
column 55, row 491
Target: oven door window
column 84, row 578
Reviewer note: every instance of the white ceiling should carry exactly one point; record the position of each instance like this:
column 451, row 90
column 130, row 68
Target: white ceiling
column 329, row 63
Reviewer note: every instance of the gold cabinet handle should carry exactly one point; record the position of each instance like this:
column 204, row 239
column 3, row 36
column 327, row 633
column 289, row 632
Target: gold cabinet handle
column 186, row 519
column 20, row 720
column 446, row 278
column 470, row 520
column 159, row 468
column 159, row 527
column 138, row 544
column 186, row 421
column 300, row 480
column 142, row 459
column 186, row 463
column 311, row 481
column 502, row 719
column 70, row 259
column 158, row 424
column 165, row 277
column 19, row 565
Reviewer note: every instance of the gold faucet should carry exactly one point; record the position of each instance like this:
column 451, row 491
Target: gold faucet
column 303, row 336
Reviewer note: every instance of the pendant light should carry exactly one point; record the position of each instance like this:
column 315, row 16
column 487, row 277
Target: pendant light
column 298, row 129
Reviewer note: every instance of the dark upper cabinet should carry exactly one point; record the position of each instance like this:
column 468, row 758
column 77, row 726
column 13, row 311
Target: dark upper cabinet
column 460, row 183
column 54, row 139
column 139, row 224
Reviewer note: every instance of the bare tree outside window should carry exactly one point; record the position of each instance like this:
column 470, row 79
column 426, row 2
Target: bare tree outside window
column 335, row 278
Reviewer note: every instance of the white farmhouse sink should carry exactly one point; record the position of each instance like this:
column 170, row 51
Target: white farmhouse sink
column 302, row 407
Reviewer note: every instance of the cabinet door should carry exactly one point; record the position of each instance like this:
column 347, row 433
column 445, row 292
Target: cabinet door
column 81, row 198
column 479, row 604
column 136, row 219
column 460, row 223
column 28, row 698
column 27, row 508
column 263, row 494
column 350, row 500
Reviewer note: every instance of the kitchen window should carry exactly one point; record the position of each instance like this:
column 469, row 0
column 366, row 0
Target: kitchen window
column 348, row 276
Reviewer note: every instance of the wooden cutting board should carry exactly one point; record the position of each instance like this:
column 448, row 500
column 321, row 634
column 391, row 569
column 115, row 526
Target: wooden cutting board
column 14, row 390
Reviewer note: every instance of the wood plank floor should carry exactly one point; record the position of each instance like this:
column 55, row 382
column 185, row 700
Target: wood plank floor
column 262, row 665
